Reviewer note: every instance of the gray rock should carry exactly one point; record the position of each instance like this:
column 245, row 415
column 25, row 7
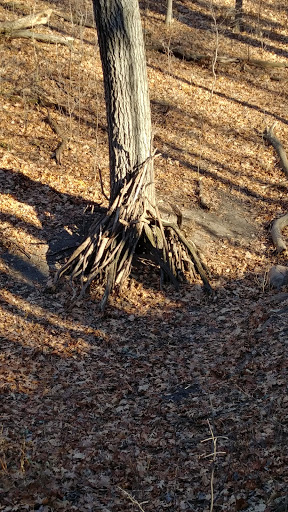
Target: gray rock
column 278, row 276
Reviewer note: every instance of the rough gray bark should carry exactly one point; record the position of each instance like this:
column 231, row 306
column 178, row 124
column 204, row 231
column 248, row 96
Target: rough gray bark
column 169, row 13
column 126, row 90
column 106, row 254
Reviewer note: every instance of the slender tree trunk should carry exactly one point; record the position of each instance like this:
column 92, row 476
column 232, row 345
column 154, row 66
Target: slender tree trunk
column 169, row 13
column 126, row 90
column 239, row 15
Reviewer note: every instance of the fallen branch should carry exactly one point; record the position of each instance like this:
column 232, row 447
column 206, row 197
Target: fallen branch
column 106, row 254
column 44, row 38
column 41, row 18
column 193, row 253
column 276, row 233
column 64, row 139
column 270, row 136
column 282, row 222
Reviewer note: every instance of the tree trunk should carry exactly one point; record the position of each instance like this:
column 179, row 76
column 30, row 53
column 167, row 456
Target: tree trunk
column 239, row 15
column 126, row 90
column 169, row 13
column 107, row 252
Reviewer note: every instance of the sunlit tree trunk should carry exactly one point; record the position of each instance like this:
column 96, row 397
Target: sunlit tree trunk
column 106, row 254
column 126, row 90
column 169, row 13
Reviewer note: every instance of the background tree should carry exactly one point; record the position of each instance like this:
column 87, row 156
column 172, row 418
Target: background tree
column 239, row 15
column 107, row 252
column 169, row 12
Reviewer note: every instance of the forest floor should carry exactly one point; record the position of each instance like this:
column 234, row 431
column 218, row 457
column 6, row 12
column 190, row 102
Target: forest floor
column 171, row 399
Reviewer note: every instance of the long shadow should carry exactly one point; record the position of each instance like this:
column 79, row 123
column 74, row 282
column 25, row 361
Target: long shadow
column 45, row 314
column 221, row 94
column 249, row 74
column 225, row 71
column 51, row 206
column 248, row 192
column 97, row 414
column 59, row 232
column 198, row 20
column 161, row 109
column 215, row 146
column 274, row 37
column 220, row 165
column 257, row 44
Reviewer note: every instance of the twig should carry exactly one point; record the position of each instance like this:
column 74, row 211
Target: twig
column 213, row 461
column 215, row 56
column 193, row 252
column 11, row 242
column 76, row 20
column 132, row 499
column 101, row 183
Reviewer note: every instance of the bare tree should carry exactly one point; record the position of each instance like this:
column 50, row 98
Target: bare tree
column 169, row 12
column 239, row 15
column 106, row 254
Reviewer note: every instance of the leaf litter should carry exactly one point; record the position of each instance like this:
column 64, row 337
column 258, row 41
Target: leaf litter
column 110, row 412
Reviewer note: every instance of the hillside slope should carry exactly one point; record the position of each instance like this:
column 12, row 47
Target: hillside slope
column 171, row 400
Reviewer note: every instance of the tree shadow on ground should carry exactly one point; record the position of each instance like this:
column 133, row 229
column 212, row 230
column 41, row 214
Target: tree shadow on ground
column 198, row 20
column 64, row 220
column 81, row 417
column 222, row 95
column 63, row 226
column 243, row 38
column 245, row 190
column 25, row 270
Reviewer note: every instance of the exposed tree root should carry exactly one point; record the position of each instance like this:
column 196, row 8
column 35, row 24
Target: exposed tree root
column 270, row 136
column 106, row 254
column 64, row 139
column 282, row 222
column 276, row 233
